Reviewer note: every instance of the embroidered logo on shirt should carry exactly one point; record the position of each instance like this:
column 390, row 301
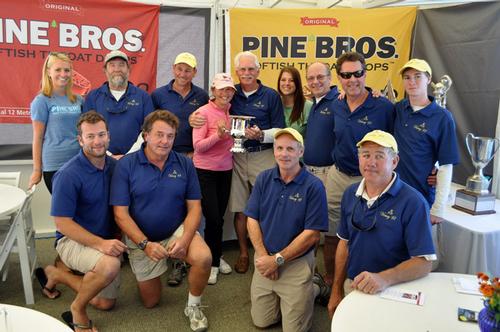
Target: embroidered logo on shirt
column 133, row 102
column 174, row 174
column 259, row 104
column 325, row 111
column 194, row 102
column 364, row 120
column 421, row 127
column 296, row 198
column 388, row 215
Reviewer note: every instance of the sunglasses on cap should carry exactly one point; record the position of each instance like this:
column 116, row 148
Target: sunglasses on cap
column 347, row 75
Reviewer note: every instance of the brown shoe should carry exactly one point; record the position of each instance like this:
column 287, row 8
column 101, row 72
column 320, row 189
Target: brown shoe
column 241, row 265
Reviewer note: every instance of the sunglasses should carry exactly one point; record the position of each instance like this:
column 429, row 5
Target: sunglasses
column 347, row 75
column 358, row 225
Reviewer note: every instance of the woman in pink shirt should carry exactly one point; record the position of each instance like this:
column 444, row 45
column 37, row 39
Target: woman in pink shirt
column 214, row 163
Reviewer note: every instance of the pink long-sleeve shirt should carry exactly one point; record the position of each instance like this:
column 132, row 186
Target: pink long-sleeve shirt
column 210, row 151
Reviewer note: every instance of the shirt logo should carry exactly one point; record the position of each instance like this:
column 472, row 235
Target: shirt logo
column 259, row 104
column 174, row 174
column 325, row 111
column 133, row 102
column 295, row 198
column 388, row 215
column 194, row 102
column 421, row 127
column 365, row 120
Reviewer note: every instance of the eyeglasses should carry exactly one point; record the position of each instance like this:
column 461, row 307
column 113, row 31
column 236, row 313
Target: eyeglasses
column 319, row 78
column 357, row 225
column 347, row 75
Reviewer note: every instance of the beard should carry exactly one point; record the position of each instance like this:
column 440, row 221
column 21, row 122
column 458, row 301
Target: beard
column 118, row 81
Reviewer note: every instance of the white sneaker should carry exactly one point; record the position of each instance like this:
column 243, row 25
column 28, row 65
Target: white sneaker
column 197, row 320
column 212, row 280
column 224, row 267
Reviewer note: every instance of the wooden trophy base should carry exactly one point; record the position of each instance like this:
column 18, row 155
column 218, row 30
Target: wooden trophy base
column 474, row 203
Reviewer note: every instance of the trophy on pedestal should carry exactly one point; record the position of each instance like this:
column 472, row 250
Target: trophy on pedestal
column 238, row 125
column 476, row 198
column 440, row 90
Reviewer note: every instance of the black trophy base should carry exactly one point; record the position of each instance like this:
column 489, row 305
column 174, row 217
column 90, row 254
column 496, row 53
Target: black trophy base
column 474, row 203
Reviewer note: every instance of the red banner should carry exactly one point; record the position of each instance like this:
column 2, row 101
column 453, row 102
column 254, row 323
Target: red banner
column 86, row 31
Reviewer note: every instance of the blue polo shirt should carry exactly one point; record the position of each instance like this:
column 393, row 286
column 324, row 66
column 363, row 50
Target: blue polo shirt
column 166, row 98
column 156, row 198
column 124, row 117
column 424, row 137
column 319, row 140
column 264, row 104
column 284, row 210
column 351, row 127
column 81, row 192
column 402, row 228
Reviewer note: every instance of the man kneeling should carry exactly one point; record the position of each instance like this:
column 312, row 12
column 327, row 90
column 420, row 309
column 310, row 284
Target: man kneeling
column 156, row 198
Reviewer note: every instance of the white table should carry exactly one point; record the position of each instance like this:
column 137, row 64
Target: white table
column 470, row 244
column 11, row 199
column 20, row 319
column 363, row 312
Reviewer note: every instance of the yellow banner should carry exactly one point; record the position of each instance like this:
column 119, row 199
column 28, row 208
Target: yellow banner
column 299, row 37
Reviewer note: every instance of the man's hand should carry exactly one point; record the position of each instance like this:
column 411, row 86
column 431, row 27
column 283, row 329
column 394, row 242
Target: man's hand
column 155, row 251
column 267, row 267
column 196, row 120
column 436, row 220
column 112, row 247
column 369, row 283
column 253, row 132
column 432, row 178
column 177, row 249
column 334, row 302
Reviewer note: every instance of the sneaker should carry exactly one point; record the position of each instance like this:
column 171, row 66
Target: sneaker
column 197, row 320
column 212, row 280
column 224, row 267
column 324, row 290
column 179, row 271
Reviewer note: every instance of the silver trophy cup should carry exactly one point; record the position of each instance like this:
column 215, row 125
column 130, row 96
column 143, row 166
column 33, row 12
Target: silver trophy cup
column 238, row 125
column 481, row 150
column 440, row 89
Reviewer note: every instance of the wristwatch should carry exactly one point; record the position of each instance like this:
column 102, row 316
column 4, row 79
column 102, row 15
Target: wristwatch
column 142, row 245
column 280, row 260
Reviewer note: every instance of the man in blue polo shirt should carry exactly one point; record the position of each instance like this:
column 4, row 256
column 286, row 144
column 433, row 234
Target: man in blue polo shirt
column 358, row 113
column 182, row 98
column 123, row 105
column 156, row 199
column 85, row 225
column 286, row 213
column 425, row 133
column 385, row 229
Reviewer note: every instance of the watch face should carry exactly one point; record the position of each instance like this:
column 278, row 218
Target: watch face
column 142, row 244
column 280, row 260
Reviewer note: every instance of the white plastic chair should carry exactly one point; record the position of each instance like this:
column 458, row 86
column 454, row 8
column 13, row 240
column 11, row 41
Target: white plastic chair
column 19, row 238
column 10, row 178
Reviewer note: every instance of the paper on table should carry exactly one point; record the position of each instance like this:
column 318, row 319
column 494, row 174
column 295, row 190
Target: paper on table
column 402, row 295
column 466, row 286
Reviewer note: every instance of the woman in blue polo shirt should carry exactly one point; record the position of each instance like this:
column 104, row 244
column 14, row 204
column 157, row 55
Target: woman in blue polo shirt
column 295, row 106
column 54, row 114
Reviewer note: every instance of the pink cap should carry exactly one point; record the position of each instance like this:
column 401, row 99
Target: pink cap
column 222, row 80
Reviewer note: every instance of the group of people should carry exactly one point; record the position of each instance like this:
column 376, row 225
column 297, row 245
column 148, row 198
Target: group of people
column 135, row 173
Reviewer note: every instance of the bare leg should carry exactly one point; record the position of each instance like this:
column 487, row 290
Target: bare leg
column 200, row 259
column 329, row 250
column 150, row 291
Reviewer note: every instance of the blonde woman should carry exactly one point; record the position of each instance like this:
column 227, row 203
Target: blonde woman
column 54, row 114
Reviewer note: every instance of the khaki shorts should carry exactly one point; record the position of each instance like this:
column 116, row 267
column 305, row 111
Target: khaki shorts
column 320, row 172
column 336, row 183
column 83, row 259
column 290, row 298
column 246, row 167
column 144, row 267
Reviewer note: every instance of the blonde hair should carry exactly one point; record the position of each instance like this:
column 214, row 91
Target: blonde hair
column 47, row 87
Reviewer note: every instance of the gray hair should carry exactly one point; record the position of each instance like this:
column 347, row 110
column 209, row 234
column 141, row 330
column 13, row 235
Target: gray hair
column 247, row 54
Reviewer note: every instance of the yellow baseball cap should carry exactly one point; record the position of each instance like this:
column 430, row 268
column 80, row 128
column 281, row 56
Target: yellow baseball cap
column 115, row 54
column 291, row 131
column 186, row 58
column 381, row 138
column 418, row 64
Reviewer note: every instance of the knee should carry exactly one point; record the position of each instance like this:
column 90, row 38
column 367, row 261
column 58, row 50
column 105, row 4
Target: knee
column 108, row 266
column 104, row 304
column 150, row 302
